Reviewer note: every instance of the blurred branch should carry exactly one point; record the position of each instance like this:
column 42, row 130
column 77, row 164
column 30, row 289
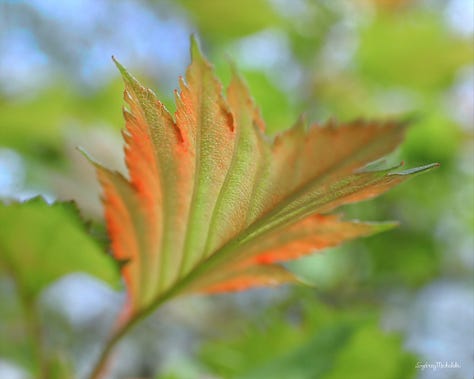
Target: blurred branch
column 32, row 326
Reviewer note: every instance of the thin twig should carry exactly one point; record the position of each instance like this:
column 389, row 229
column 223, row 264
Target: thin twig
column 35, row 333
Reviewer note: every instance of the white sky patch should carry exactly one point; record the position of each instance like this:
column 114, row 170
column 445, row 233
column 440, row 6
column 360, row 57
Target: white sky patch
column 140, row 36
column 263, row 50
column 460, row 100
column 10, row 371
column 441, row 327
column 460, row 16
column 12, row 179
column 291, row 8
column 82, row 298
column 23, row 66
column 12, row 172
column 269, row 51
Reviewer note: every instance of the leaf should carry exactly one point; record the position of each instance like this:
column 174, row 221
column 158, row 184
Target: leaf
column 35, row 126
column 409, row 64
column 322, row 342
column 212, row 203
column 222, row 21
column 39, row 243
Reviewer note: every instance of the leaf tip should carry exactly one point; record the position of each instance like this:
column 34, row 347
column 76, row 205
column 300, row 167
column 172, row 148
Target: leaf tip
column 90, row 158
column 233, row 68
column 302, row 122
column 385, row 226
column 196, row 53
column 417, row 170
column 305, row 282
column 81, row 150
column 123, row 71
column 118, row 64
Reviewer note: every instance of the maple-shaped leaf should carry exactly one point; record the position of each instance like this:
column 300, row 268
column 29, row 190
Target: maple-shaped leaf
column 212, row 204
column 40, row 243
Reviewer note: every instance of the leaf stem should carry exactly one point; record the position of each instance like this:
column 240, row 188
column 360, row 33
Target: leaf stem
column 176, row 289
column 122, row 329
column 211, row 261
column 32, row 321
column 101, row 364
column 35, row 333
column 104, row 357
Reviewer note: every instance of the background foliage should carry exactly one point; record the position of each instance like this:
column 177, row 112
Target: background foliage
column 380, row 305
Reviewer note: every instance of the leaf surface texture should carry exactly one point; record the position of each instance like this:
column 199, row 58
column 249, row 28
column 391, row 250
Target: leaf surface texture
column 213, row 204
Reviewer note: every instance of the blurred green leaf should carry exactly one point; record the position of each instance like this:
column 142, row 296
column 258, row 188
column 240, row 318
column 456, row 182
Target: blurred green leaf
column 308, row 31
column 312, row 359
column 426, row 137
column 221, row 20
column 415, row 50
column 326, row 343
column 35, row 127
column 59, row 367
column 372, row 354
column 404, row 258
column 39, row 243
column 344, row 96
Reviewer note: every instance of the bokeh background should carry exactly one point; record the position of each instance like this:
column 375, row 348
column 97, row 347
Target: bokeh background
column 381, row 306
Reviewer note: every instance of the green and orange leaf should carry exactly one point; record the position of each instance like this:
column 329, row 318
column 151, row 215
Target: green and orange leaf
column 213, row 204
